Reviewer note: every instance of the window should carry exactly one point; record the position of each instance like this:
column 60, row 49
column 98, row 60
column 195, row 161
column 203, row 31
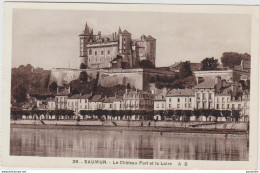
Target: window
column 102, row 52
column 210, row 95
column 227, row 99
column 204, row 95
column 170, row 105
column 190, row 105
column 239, row 106
column 108, row 52
column 186, row 105
column 90, row 52
column 170, row 99
column 157, row 105
column 186, row 99
column 178, row 105
column 162, row 105
column 233, row 106
column 223, row 107
column 190, row 99
column 223, row 99
column 85, row 106
column 217, row 106
column 198, row 95
column 95, row 52
column 178, row 99
column 227, row 106
column 110, row 106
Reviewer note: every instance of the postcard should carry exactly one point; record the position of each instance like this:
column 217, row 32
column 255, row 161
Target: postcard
column 130, row 86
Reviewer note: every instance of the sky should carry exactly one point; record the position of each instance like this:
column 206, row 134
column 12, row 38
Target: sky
column 49, row 38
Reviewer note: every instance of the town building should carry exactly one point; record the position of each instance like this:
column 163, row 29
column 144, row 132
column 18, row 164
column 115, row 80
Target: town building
column 223, row 98
column 96, row 102
column 160, row 99
column 51, row 104
column 61, row 98
column 177, row 65
column 72, row 103
column 108, row 103
column 101, row 51
column 180, row 99
column 137, row 100
column 205, row 94
column 83, row 102
column 242, row 71
column 226, row 75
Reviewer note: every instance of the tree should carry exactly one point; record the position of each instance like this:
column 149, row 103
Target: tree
column 83, row 66
column 128, row 86
column 19, row 93
column 188, row 114
column 248, row 84
column 236, row 114
column 209, row 64
column 83, row 76
column 216, row 114
column 226, row 113
column 53, row 87
column 146, row 64
column 231, row 59
column 185, row 70
column 243, row 84
column 179, row 113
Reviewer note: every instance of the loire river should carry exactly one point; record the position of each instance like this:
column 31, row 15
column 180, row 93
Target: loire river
column 127, row 144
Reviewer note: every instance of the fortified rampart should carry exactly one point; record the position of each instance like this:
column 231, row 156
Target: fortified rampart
column 139, row 78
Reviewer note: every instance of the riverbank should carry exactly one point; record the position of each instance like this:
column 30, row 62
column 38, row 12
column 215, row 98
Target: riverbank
column 180, row 130
column 210, row 125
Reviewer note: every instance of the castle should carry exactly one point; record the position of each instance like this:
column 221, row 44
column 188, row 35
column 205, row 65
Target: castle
column 117, row 50
column 115, row 58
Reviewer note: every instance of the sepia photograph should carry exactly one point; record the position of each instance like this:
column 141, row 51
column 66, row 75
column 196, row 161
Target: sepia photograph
column 131, row 84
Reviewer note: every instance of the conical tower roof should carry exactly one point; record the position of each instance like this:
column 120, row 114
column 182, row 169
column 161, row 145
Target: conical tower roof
column 86, row 31
column 119, row 31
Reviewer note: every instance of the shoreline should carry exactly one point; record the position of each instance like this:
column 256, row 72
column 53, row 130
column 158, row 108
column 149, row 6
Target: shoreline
column 180, row 130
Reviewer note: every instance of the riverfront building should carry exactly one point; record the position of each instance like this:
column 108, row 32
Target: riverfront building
column 180, row 99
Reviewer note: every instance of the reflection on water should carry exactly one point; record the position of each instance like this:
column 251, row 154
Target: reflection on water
column 111, row 144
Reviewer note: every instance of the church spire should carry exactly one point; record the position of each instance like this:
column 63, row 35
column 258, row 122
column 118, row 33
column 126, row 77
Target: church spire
column 86, row 31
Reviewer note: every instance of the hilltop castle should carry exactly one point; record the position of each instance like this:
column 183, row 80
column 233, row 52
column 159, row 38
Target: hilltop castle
column 113, row 60
column 117, row 50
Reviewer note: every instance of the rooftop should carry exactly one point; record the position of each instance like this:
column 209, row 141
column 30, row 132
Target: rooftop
column 76, row 96
column 96, row 98
column 86, row 96
column 181, row 92
column 208, row 83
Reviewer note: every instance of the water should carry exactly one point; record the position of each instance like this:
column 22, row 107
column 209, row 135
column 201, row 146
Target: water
column 127, row 144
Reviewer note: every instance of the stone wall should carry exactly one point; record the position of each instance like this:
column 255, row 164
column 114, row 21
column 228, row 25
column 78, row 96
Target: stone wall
column 138, row 78
column 243, row 126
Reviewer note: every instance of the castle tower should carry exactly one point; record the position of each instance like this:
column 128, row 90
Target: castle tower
column 84, row 39
column 124, row 46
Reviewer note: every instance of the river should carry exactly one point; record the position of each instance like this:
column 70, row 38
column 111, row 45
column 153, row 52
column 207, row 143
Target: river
column 128, row 144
